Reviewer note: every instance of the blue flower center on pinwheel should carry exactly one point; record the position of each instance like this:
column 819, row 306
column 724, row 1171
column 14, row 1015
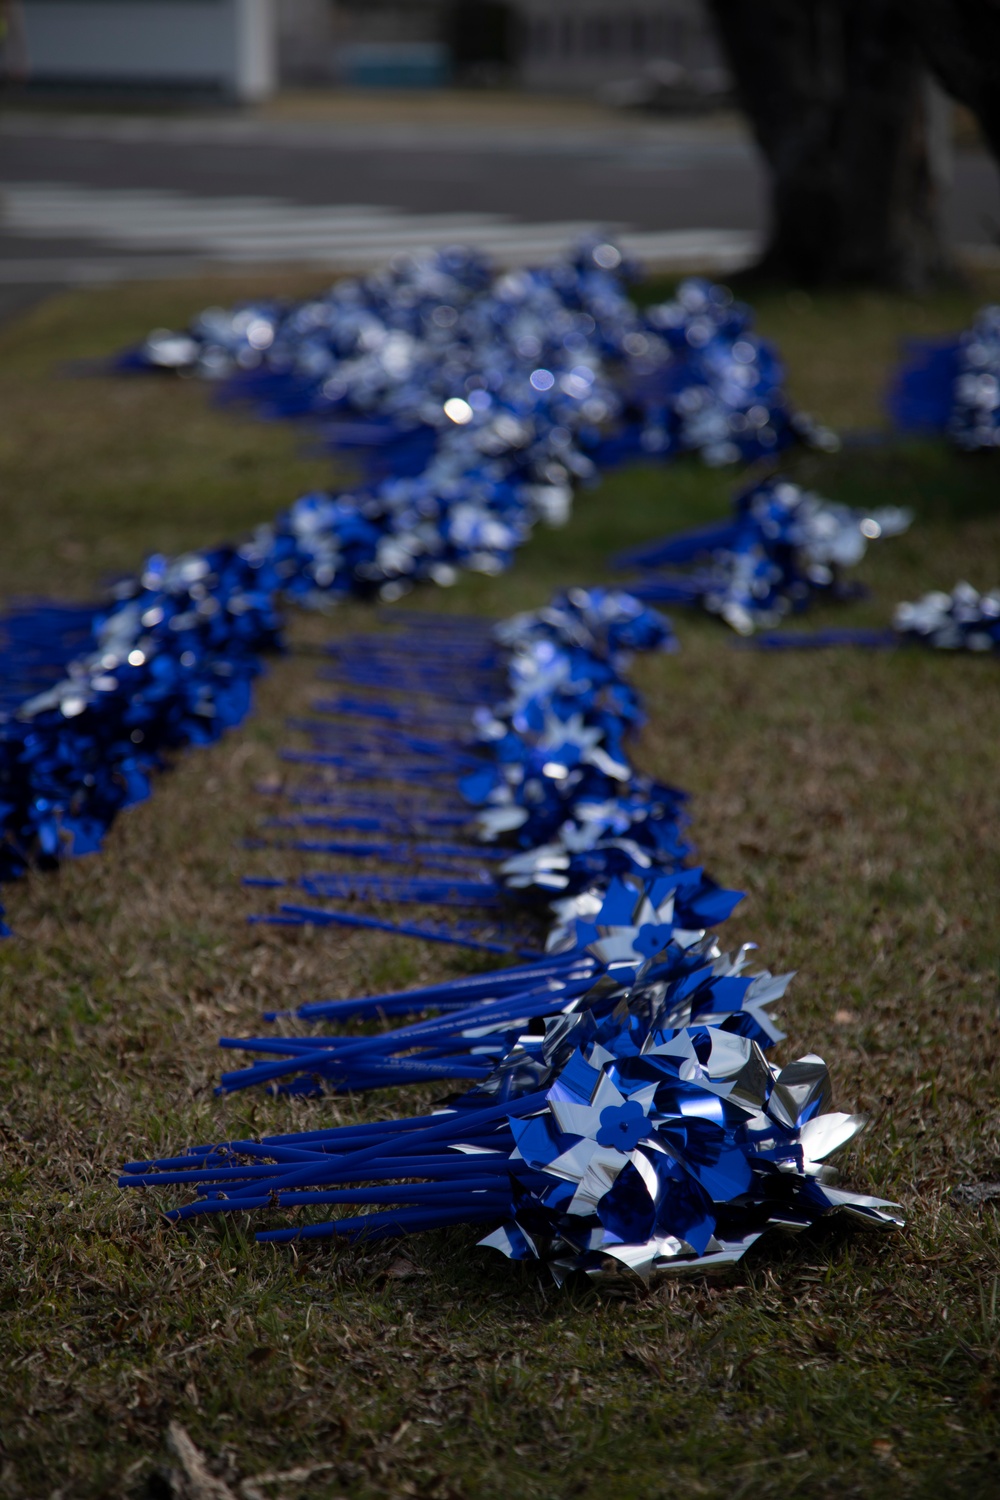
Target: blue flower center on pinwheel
column 623, row 1126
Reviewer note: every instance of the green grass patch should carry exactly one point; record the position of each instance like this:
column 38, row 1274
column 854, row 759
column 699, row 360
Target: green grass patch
column 853, row 796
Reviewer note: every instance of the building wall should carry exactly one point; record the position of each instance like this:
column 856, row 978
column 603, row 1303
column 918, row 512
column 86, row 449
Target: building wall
column 223, row 46
column 241, row 48
column 306, row 40
column 388, row 21
column 568, row 45
column 390, row 43
column 581, row 44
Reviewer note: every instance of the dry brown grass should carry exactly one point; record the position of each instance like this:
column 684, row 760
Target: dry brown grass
column 853, row 797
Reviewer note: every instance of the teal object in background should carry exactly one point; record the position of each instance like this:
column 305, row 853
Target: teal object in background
column 395, row 65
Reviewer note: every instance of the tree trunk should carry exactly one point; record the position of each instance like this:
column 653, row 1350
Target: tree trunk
column 960, row 40
column 836, row 95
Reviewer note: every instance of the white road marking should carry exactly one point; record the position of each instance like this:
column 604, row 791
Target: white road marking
column 346, row 236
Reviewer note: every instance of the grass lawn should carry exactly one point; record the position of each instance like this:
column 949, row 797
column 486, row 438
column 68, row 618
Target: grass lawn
column 853, row 796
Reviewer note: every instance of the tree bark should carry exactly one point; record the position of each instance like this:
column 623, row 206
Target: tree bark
column 836, row 95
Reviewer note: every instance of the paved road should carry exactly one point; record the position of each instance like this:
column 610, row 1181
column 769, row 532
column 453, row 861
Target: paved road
column 92, row 198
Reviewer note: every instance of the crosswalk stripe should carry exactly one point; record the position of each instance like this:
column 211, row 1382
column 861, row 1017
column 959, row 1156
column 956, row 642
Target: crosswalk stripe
column 164, row 218
column 264, row 228
column 105, row 269
column 466, row 231
column 266, row 234
column 249, row 229
column 136, row 222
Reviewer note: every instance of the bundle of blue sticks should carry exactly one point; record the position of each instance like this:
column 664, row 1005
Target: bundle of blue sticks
column 961, row 620
column 950, row 386
column 616, row 1110
column 536, row 796
column 784, row 547
column 481, row 402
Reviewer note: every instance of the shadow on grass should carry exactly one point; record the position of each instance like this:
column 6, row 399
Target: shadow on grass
column 937, row 483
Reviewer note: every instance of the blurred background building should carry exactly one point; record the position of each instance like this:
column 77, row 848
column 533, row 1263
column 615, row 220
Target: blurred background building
column 221, row 48
column 653, row 52
column 589, row 44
